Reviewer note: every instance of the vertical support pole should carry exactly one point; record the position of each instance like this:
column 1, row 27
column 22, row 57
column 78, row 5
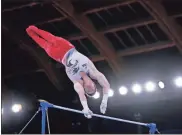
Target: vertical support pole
column 43, row 122
column 44, row 106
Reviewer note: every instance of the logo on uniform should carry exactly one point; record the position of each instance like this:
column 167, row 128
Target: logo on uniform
column 73, row 66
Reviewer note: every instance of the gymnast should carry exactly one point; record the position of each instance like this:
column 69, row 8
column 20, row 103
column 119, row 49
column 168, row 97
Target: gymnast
column 79, row 68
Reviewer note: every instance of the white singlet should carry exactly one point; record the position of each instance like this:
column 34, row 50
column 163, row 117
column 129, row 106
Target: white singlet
column 75, row 63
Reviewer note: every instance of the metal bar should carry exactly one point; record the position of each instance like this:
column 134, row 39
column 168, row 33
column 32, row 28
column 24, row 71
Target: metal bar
column 45, row 105
column 128, row 25
column 108, row 12
column 119, row 9
column 22, row 6
column 63, row 18
column 51, row 21
column 141, row 35
column 132, row 9
column 76, row 37
column 152, row 33
column 48, row 125
column 84, row 47
column 146, row 48
column 116, row 28
column 98, row 15
column 43, row 122
column 137, row 50
column 125, row 2
column 29, row 121
column 55, row 27
column 120, row 40
column 132, row 40
column 100, row 116
column 167, row 24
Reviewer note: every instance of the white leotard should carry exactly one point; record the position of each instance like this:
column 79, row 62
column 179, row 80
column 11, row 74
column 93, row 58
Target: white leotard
column 75, row 63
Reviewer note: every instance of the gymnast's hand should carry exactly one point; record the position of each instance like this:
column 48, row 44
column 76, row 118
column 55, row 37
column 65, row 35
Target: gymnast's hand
column 103, row 107
column 87, row 113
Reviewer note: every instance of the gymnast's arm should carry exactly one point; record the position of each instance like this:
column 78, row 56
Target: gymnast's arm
column 81, row 93
column 95, row 74
column 105, row 85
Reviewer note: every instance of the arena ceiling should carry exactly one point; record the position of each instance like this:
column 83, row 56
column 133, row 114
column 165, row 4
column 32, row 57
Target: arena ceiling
column 104, row 30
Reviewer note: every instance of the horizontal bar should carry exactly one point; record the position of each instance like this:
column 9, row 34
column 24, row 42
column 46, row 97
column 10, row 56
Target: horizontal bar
column 100, row 116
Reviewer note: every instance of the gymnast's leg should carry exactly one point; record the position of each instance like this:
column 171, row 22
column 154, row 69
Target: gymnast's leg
column 32, row 32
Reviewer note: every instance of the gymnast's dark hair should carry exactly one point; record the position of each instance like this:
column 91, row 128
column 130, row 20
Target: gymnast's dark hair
column 91, row 95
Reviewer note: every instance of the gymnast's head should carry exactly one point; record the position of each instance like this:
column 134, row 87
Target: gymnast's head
column 88, row 85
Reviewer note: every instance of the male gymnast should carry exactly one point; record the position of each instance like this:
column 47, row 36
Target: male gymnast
column 79, row 68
